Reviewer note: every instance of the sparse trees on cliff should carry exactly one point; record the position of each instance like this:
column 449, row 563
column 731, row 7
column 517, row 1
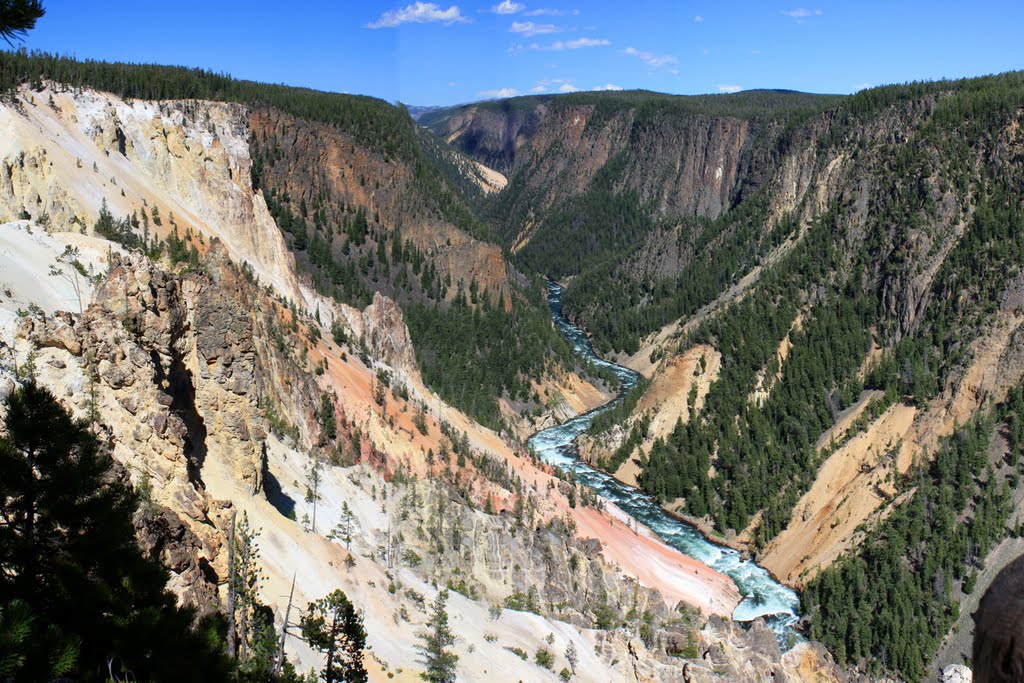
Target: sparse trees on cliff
column 333, row 626
column 419, row 419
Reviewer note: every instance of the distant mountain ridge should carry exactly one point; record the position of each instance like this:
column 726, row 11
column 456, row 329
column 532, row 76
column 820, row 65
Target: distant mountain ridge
column 569, row 155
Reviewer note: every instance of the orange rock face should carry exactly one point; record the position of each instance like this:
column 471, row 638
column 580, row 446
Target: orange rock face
column 312, row 160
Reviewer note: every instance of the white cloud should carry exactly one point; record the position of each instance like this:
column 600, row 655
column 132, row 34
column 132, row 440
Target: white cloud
column 861, row 86
column 650, row 59
column 698, row 19
column 528, row 28
column 729, row 88
column 547, row 84
column 498, row 93
column 610, row 86
column 452, row 84
column 578, row 43
column 508, row 7
column 419, row 13
column 560, row 45
column 548, row 12
column 802, row 14
column 755, row 52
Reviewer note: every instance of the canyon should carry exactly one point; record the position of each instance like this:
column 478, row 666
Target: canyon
column 207, row 385
column 781, row 316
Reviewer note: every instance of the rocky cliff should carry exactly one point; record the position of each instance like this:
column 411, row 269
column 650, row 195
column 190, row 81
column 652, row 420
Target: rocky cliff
column 65, row 151
column 681, row 165
column 172, row 372
column 679, row 160
column 855, row 269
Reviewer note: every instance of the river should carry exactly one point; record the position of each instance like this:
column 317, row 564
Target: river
column 764, row 597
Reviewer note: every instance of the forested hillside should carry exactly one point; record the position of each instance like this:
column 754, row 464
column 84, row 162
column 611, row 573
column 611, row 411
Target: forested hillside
column 361, row 223
column 847, row 282
column 938, row 539
column 859, row 256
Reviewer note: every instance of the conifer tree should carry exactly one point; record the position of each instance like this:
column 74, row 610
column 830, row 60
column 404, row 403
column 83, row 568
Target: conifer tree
column 328, row 421
column 333, row 626
column 18, row 17
column 71, row 569
column 313, row 477
column 435, row 652
column 345, row 527
column 247, row 576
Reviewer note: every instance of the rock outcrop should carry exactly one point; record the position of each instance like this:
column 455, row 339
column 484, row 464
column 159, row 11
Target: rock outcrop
column 956, row 673
column 189, row 160
column 162, row 534
column 305, row 161
column 680, row 165
column 169, row 369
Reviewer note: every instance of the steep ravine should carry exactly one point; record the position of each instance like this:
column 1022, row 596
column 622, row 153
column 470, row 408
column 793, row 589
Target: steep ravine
column 763, row 596
column 199, row 318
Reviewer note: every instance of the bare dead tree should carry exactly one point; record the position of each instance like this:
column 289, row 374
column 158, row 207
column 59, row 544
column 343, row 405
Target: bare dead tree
column 70, row 269
column 284, row 630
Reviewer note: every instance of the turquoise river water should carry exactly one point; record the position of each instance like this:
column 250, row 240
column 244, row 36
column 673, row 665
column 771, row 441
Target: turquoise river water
column 764, row 597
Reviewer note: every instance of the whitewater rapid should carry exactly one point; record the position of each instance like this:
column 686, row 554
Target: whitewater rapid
column 764, row 597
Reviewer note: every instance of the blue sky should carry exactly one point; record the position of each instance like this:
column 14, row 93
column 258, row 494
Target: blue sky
column 450, row 52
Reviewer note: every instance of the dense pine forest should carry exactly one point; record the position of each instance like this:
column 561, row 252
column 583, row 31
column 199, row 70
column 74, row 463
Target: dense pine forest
column 642, row 305
column 472, row 352
column 890, row 604
column 769, row 449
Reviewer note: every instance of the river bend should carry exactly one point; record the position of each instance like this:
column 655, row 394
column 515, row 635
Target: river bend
column 763, row 597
